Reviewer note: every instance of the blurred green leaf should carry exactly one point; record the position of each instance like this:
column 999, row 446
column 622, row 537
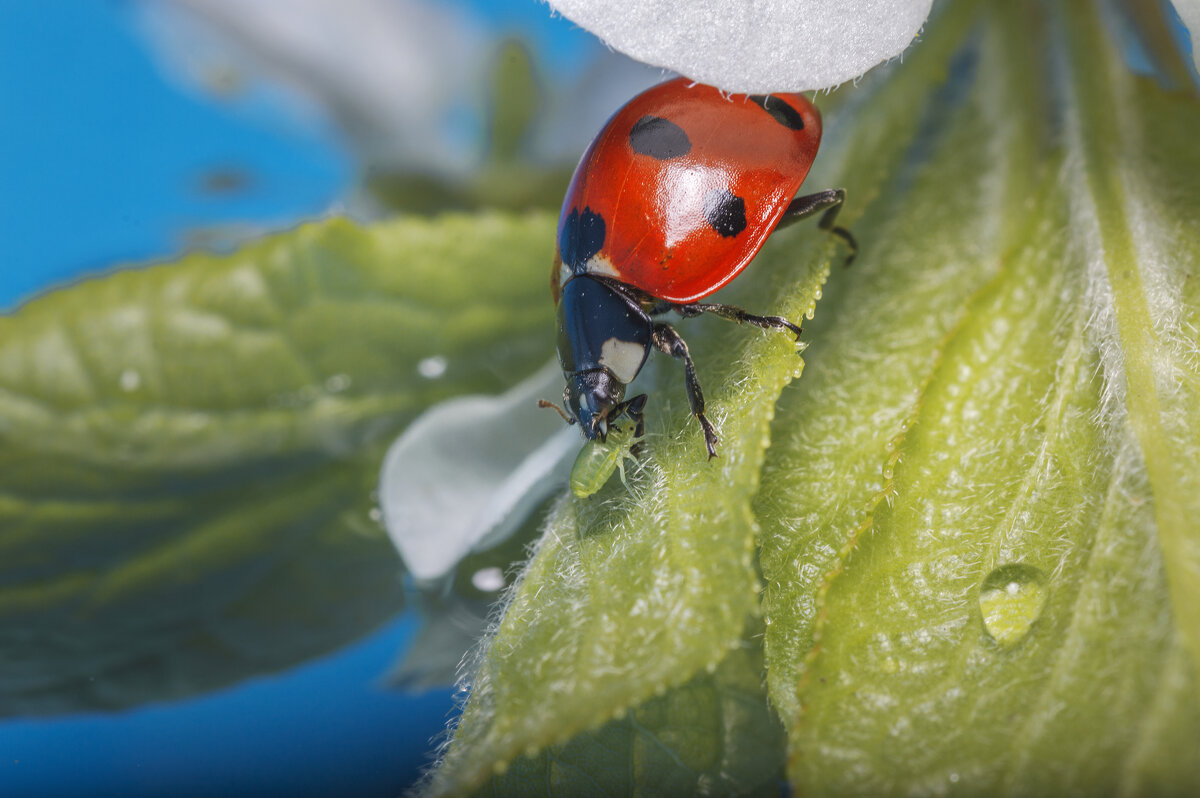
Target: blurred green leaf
column 188, row 451
column 513, row 186
column 515, row 101
column 979, row 508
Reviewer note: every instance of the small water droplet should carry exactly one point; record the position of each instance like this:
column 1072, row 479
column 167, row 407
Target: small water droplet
column 489, row 580
column 130, row 380
column 432, row 367
column 1011, row 599
column 337, row 383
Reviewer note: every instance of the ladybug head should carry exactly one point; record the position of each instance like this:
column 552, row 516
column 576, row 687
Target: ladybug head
column 590, row 397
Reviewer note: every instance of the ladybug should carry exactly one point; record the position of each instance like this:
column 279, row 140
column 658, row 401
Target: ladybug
column 673, row 198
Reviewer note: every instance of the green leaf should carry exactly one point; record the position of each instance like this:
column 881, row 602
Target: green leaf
column 979, row 509
column 515, row 101
column 188, row 451
column 980, row 531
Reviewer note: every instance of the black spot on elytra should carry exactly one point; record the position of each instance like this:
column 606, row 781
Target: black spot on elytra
column 659, row 138
column 725, row 212
column 780, row 111
column 581, row 237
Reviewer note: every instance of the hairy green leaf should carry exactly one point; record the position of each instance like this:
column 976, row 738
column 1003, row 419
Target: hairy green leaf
column 978, row 508
column 188, row 451
column 980, row 511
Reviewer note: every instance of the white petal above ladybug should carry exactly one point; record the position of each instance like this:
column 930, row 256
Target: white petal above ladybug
column 755, row 46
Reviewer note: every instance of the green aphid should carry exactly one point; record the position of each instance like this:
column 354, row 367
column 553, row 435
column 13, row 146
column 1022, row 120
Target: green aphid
column 599, row 458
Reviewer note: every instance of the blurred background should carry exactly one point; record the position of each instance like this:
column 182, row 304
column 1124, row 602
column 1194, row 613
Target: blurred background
column 139, row 131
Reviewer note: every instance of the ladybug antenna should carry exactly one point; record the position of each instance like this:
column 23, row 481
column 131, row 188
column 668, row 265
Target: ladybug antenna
column 556, row 409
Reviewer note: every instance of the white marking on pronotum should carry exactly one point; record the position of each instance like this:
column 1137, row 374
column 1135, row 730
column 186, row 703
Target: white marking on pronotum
column 623, row 358
column 598, row 264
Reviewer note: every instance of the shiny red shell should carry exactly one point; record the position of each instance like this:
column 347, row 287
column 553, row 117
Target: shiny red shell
column 681, row 188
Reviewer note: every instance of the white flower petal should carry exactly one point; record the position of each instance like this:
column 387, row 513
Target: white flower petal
column 393, row 73
column 755, row 46
column 466, row 473
column 1189, row 14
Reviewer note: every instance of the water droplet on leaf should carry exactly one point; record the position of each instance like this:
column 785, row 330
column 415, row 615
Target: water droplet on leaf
column 432, row 367
column 130, row 380
column 1011, row 599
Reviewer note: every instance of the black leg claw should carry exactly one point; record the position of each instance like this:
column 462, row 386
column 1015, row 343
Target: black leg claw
column 710, row 435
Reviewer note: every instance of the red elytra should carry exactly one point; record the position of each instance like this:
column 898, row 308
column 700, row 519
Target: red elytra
column 687, row 183
column 674, row 197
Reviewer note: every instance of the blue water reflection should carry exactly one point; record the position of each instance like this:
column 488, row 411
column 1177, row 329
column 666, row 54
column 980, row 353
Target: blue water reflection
column 325, row 728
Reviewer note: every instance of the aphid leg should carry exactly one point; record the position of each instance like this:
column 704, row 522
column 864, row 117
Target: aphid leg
column 737, row 314
column 667, row 340
column 829, row 201
column 557, row 409
column 621, row 468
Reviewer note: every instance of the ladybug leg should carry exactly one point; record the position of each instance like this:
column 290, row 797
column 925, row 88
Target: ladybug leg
column 829, row 201
column 636, row 411
column 667, row 340
column 635, row 408
column 734, row 313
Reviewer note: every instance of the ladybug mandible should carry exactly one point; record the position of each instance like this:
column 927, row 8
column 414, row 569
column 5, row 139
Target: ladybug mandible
column 672, row 199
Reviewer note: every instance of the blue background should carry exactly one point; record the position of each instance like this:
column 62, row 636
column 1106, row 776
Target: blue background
column 101, row 156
